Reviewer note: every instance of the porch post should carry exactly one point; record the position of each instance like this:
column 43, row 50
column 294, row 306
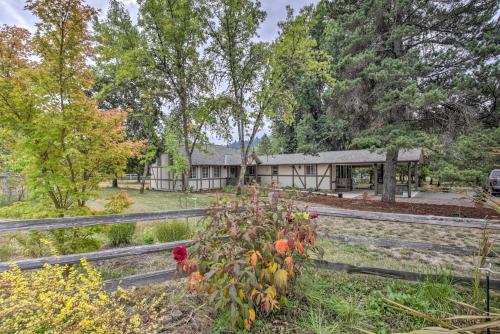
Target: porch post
column 316, row 176
column 305, row 177
column 416, row 176
column 375, row 178
column 293, row 176
column 409, row 179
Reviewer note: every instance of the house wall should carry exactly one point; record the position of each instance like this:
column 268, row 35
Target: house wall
column 211, row 182
column 162, row 179
column 290, row 177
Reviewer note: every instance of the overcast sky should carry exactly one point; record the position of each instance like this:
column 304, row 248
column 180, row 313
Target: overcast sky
column 12, row 13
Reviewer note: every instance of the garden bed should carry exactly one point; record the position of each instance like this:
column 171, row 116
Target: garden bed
column 400, row 207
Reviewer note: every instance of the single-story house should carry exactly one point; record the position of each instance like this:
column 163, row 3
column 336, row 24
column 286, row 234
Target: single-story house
column 217, row 166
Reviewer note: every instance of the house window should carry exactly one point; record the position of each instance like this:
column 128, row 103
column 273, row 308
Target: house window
column 275, row 170
column 192, row 175
column 310, row 170
column 216, row 171
column 251, row 170
column 205, row 172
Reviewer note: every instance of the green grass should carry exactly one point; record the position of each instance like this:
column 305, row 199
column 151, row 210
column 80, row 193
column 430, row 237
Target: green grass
column 172, row 231
column 337, row 251
column 329, row 302
column 152, row 201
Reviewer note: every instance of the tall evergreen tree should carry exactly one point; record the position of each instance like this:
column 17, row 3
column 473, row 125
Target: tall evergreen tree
column 404, row 66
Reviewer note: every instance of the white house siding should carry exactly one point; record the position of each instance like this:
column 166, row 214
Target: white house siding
column 287, row 177
column 161, row 179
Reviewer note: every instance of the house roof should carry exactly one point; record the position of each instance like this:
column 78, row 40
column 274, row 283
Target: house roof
column 340, row 157
column 216, row 155
column 219, row 155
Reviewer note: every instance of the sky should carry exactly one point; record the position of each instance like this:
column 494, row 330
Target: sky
column 12, row 13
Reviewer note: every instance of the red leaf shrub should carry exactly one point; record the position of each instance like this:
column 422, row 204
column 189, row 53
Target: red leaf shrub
column 249, row 254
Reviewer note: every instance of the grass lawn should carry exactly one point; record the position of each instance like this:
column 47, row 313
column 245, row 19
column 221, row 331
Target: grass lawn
column 320, row 301
column 152, row 201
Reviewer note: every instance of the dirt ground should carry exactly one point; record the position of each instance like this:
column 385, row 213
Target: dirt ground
column 403, row 258
column 402, row 207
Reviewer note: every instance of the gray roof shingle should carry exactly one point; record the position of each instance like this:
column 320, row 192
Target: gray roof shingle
column 216, row 155
column 340, row 157
column 224, row 156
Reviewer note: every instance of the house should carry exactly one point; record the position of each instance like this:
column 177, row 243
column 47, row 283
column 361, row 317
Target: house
column 332, row 171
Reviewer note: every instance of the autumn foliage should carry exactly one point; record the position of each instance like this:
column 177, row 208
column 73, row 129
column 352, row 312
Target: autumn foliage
column 63, row 143
column 62, row 299
column 248, row 257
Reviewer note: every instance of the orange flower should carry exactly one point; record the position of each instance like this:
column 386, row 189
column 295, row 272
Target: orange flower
column 300, row 247
column 289, row 264
column 281, row 246
column 194, row 281
column 248, row 324
column 254, row 258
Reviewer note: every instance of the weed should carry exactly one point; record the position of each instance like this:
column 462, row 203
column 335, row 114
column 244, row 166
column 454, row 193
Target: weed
column 148, row 237
column 171, row 231
column 120, row 234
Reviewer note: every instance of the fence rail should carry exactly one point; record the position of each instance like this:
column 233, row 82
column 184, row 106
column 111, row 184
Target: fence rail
column 154, row 277
column 169, row 274
column 94, row 256
column 55, row 223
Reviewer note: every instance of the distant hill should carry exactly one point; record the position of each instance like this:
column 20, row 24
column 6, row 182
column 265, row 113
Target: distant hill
column 236, row 144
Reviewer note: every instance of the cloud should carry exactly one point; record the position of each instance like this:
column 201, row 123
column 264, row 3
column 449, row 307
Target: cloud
column 13, row 13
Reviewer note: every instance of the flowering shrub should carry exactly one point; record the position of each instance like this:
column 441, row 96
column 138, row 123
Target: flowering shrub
column 247, row 257
column 58, row 299
column 118, row 202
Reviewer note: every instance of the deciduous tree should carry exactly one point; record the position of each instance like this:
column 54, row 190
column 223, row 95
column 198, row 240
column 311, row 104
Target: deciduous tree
column 124, row 80
column 65, row 146
column 258, row 75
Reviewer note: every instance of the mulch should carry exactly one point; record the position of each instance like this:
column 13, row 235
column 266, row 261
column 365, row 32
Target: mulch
column 478, row 211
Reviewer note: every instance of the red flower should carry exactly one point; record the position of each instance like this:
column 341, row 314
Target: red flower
column 313, row 215
column 289, row 217
column 179, row 253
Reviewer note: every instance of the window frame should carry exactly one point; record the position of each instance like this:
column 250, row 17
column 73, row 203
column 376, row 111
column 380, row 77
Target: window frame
column 203, row 170
column 311, row 167
column 275, row 170
column 251, row 168
column 193, row 173
column 217, row 172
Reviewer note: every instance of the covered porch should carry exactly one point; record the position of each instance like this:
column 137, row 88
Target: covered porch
column 369, row 178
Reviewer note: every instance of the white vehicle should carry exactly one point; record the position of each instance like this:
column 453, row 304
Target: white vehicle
column 494, row 182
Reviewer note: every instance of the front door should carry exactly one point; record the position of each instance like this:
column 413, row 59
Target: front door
column 233, row 172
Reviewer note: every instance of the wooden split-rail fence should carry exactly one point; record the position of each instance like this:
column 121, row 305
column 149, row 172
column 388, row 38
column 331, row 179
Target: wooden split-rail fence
column 163, row 275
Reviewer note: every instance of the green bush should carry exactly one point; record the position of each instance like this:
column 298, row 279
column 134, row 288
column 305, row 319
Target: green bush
column 171, row 231
column 34, row 209
column 120, row 234
column 148, row 237
column 60, row 241
column 118, row 202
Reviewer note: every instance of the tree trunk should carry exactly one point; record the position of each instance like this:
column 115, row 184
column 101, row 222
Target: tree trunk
column 389, row 187
column 144, row 175
column 185, row 128
column 243, row 166
column 114, row 184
